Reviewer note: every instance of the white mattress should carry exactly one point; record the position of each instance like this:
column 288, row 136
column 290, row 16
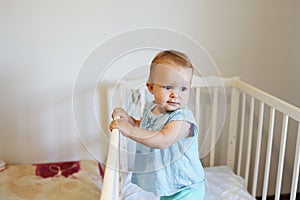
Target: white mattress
column 221, row 183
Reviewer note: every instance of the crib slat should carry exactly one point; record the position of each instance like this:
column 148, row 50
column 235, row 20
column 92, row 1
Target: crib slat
column 110, row 189
column 213, row 126
column 249, row 142
column 281, row 156
column 143, row 99
column 268, row 154
column 197, row 108
column 122, row 139
column 296, row 167
column 241, row 134
column 258, row 145
column 197, row 101
column 233, row 124
column 123, row 149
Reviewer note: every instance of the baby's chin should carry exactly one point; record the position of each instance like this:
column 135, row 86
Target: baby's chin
column 172, row 109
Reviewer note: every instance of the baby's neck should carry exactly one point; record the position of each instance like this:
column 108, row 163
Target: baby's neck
column 157, row 111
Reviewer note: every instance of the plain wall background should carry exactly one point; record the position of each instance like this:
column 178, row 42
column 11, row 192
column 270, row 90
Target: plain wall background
column 45, row 43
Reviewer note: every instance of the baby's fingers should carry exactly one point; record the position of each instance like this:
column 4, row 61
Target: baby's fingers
column 118, row 112
column 113, row 125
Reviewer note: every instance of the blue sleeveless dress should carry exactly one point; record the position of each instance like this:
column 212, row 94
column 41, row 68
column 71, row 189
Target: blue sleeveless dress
column 171, row 170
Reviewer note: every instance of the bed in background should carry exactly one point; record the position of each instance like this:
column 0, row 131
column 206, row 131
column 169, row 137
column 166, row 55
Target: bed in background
column 61, row 180
column 255, row 136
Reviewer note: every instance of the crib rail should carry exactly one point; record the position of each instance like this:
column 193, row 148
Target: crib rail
column 288, row 112
column 110, row 189
column 280, row 105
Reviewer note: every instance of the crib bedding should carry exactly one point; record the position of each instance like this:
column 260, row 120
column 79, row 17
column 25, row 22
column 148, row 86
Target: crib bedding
column 221, row 183
column 63, row 180
column 83, row 180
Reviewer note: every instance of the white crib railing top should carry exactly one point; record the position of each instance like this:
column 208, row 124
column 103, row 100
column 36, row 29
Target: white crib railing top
column 280, row 105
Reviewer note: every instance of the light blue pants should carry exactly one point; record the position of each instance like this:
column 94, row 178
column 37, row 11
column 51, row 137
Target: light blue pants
column 187, row 194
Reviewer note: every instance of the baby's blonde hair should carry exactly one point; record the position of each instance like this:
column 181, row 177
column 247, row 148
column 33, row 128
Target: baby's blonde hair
column 170, row 57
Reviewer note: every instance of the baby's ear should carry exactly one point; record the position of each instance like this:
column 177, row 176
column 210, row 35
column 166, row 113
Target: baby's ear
column 150, row 87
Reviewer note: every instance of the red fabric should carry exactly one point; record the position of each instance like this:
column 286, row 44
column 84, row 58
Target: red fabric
column 101, row 171
column 55, row 169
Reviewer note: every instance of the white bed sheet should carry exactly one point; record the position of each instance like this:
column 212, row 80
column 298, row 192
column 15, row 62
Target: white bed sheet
column 221, row 183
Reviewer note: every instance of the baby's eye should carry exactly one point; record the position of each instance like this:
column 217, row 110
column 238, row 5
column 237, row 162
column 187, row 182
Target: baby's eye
column 167, row 87
column 184, row 89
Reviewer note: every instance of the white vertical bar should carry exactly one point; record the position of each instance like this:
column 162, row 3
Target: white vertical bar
column 258, row 145
column 213, row 127
column 123, row 153
column 249, row 142
column 296, row 166
column 281, row 156
column 143, row 99
column 268, row 154
column 110, row 188
column 197, row 102
column 122, row 148
column 241, row 134
column 197, row 109
column 234, row 108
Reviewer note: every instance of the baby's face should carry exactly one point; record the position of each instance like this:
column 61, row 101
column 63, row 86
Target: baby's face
column 170, row 86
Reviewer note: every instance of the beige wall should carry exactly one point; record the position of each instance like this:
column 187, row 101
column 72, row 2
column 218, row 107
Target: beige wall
column 45, row 43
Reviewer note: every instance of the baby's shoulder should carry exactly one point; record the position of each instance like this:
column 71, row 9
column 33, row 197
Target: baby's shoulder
column 183, row 112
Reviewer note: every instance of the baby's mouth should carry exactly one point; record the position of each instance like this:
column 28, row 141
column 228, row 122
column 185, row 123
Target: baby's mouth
column 173, row 103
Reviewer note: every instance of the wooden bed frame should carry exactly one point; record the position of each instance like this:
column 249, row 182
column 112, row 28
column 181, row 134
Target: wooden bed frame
column 254, row 120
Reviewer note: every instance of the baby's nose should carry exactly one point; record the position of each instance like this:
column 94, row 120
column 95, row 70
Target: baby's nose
column 173, row 94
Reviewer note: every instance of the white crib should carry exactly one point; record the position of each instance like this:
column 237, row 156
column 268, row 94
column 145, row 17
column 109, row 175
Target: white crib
column 253, row 137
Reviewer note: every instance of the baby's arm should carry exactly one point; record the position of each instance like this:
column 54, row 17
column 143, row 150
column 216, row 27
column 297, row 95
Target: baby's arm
column 164, row 138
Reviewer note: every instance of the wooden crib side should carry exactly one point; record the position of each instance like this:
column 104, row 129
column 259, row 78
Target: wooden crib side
column 215, row 85
column 248, row 99
column 245, row 125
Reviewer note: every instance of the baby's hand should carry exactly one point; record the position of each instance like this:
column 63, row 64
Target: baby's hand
column 122, row 125
column 121, row 113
